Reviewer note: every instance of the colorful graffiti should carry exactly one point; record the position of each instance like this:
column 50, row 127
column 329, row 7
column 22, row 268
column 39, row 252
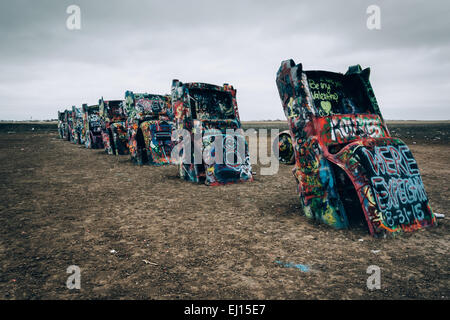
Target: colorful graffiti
column 149, row 125
column 209, row 113
column 397, row 186
column 347, row 166
column 77, row 127
column 113, row 120
column 346, row 128
column 92, row 127
column 69, row 125
column 61, row 125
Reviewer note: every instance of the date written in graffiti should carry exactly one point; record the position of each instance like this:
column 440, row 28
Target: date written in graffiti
column 397, row 185
column 404, row 216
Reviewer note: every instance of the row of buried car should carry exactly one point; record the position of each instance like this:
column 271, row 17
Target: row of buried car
column 348, row 168
column 142, row 125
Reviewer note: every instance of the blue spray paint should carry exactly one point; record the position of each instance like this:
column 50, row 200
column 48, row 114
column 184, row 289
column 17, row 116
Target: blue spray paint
column 301, row 267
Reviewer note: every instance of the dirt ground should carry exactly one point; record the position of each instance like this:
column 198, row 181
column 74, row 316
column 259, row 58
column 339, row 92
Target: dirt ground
column 142, row 233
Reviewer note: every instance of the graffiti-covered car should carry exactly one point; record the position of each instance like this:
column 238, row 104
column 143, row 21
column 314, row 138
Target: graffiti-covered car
column 149, row 124
column 62, row 125
column 77, row 125
column 92, row 127
column 349, row 170
column 207, row 116
column 114, row 131
column 68, row 119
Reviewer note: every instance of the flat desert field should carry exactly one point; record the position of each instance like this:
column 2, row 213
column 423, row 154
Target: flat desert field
column 143, row 233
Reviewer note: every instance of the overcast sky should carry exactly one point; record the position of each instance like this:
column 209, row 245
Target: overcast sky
column 143, row 45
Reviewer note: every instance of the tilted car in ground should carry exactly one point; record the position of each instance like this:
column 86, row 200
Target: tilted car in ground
column 62, row 125
column 149, row 124
column 92, row 127
column 114, row 132
column 68, row 120
column 349, row 170
column 77, row 125
column 206, row 112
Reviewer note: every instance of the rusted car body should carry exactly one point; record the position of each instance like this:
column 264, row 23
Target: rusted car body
column 149, row 124
column 114, row 132
column 349, row 170
column 92, row 127
column 209, row 114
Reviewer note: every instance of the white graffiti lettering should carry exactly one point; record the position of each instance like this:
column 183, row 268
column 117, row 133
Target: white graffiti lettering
column 344, row 128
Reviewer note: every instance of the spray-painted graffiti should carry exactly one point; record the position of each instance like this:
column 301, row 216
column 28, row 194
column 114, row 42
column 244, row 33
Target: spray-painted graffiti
column 114, row 132
column 62, row 125
column 343, row 129
column 347, row 166
column 398, row 188
column 92, row 127
column 207, row 113
column 149, row 125
column 69, row 125
column 77, row 128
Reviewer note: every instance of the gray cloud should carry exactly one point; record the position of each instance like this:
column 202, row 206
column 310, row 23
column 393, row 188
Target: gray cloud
column 143, row 45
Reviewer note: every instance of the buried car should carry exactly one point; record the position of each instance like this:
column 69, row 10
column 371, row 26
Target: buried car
column 149, row 124
column 349, row 170
column 77, row 125
column 210, row 145
column 92, row 127
column 68, row 128
column 62, row 124
column 114, row 133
